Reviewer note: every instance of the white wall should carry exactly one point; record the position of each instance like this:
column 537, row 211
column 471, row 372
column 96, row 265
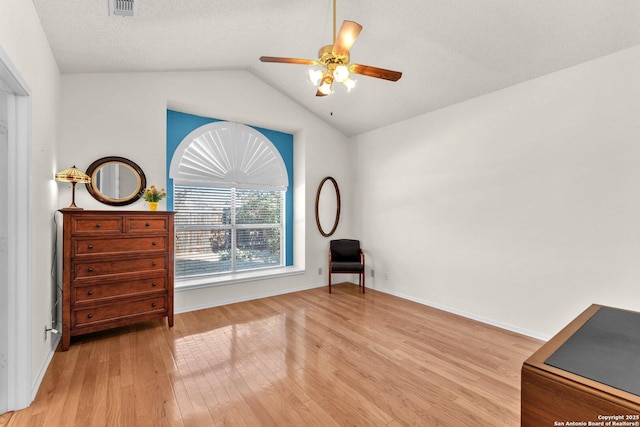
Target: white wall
column 125, row 115
column 23, row 40
column 520, row 207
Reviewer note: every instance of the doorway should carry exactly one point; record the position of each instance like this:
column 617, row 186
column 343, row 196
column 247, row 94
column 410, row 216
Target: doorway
column 15, row 239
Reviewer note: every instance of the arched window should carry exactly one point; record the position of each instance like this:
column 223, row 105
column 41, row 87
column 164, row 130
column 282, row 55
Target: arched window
column 229, row 184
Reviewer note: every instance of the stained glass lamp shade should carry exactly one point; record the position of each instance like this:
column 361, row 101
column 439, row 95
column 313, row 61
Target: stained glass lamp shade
column 74, row 176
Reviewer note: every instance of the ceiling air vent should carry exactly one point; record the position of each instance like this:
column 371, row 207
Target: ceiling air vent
column 123, row 7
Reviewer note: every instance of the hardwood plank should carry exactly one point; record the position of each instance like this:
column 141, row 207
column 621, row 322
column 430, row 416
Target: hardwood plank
column 307, row 358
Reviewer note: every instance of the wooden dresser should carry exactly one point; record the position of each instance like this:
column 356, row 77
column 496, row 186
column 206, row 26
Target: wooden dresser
column 117, row 269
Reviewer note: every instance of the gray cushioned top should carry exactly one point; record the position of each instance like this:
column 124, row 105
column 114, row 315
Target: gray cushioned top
column 605, row 349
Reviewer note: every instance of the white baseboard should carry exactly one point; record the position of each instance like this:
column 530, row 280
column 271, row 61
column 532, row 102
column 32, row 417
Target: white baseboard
column 467, row 315
column 482, row 319
column 45, row 366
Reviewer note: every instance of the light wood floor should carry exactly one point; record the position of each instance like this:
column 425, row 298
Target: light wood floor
column 303, row 359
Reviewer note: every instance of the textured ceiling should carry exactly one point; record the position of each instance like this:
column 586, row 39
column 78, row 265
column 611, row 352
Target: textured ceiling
column 448, row 51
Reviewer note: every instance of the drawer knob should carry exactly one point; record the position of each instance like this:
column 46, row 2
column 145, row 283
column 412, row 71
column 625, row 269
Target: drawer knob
column 90, row 269
column 154, row 284
column 90, row 246
column 147, row 225
column 98, row 225
column 154, row 243
column 154, row 263
column 90, row 293
column 90, row 315
column 153, row 304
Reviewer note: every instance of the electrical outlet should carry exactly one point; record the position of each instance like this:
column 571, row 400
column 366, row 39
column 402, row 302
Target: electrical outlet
column 46, row 330
column 319, row 271
column 386, row 276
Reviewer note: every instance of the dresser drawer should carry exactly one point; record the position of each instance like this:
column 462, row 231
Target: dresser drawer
column 103, row 313
column 109, row 291
column 104, row 245
column 87, row 269
column 142, row 224
column 96, row 224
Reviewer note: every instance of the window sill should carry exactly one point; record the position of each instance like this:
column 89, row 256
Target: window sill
column 229, row 279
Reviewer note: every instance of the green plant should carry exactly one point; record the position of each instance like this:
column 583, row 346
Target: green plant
column 152, row 194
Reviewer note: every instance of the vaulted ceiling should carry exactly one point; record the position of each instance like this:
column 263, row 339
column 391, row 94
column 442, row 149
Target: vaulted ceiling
column 449, row 51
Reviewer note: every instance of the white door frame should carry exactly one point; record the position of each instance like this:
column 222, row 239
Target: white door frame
column 4, row 291
column 17, row 278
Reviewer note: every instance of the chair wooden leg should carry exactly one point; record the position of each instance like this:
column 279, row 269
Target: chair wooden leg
column 329, row 280
column 363, row 278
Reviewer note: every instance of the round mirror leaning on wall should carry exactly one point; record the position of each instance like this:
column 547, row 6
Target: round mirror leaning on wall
column 329, row 198
column 116, row 181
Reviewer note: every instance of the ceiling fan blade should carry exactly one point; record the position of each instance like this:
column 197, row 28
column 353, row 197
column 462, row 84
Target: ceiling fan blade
column 379, row 73
column 346, row 37
column 289, row 60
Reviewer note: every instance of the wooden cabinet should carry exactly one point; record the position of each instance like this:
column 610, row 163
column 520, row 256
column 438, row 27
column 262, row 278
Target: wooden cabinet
column 117, row 270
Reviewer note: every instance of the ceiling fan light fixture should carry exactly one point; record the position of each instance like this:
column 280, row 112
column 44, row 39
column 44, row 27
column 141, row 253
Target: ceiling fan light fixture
column 325, row 86
column 349, row 83
column 315, row 76
column 341, row 73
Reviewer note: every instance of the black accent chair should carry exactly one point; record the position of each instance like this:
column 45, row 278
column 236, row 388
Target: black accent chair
column 345, row 256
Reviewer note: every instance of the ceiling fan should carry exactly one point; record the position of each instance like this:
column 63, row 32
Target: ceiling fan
column 334, row 59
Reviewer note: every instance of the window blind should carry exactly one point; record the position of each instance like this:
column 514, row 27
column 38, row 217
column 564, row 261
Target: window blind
column 222, row 230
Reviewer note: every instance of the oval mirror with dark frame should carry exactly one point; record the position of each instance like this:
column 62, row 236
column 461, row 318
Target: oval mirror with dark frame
column 116, row 181
column 324, row 193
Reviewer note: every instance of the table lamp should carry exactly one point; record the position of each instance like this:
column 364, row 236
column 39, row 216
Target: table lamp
column 73, row 176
